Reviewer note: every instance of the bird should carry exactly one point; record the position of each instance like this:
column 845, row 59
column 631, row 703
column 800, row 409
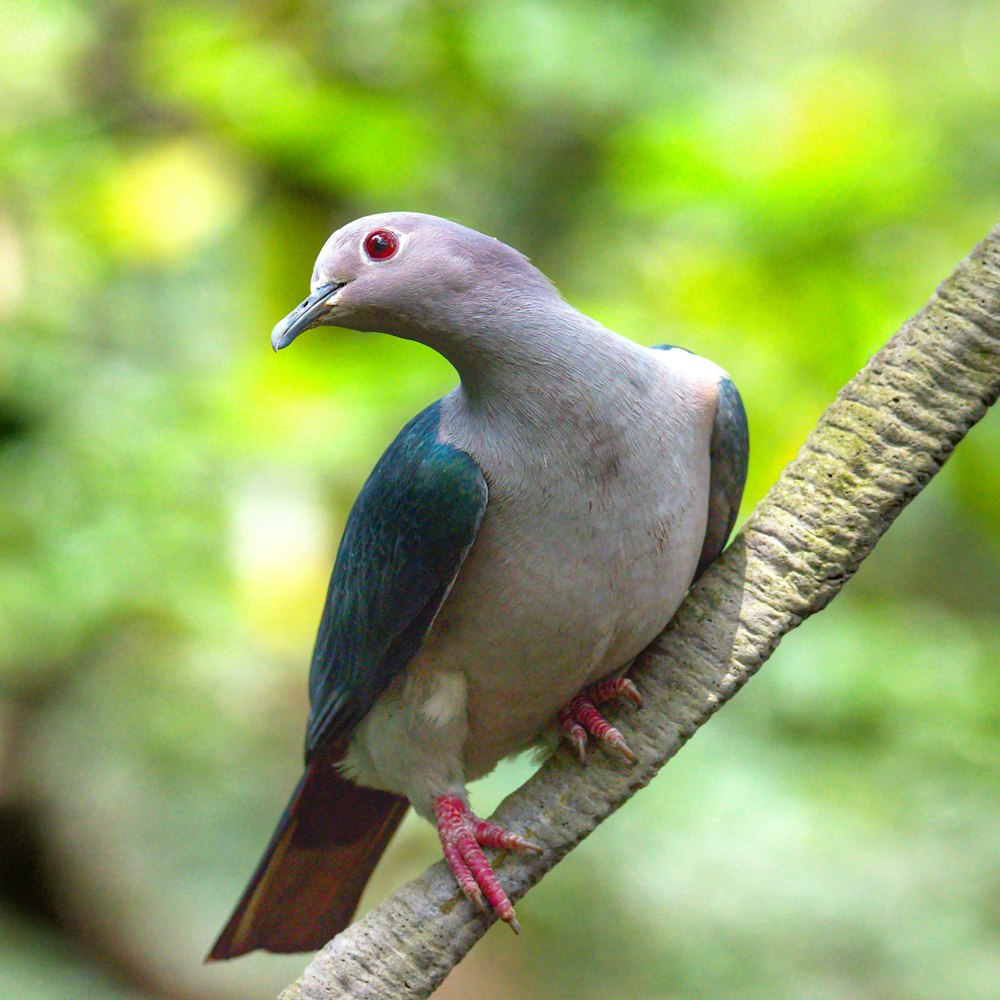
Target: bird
column 515, row 548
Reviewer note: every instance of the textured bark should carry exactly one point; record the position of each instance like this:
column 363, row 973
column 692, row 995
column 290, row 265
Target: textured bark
column 887, row 433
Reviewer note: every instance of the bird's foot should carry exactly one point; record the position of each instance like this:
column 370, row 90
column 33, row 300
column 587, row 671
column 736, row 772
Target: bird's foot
column 463, row 837
column 580, row 717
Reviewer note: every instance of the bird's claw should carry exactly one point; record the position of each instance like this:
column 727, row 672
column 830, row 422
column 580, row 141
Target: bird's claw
column 488, row 834
column 580, row 717
column 463, row 836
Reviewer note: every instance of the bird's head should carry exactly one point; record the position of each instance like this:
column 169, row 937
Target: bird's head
column 411, row 275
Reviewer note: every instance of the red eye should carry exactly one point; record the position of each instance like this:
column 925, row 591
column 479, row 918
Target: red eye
column 381, row 244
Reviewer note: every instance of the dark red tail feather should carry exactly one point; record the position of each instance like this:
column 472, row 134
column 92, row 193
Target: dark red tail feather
column 307, row 885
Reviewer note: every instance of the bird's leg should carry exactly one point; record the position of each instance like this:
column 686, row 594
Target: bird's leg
column 463, row 836
column 581, row 717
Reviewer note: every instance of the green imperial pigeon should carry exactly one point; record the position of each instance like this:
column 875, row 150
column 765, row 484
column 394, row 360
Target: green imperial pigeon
column 516, row 547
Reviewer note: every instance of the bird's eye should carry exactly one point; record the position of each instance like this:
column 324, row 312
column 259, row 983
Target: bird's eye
column 381, row 244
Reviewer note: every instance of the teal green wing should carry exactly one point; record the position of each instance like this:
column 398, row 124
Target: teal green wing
column 405, row 540
column 729, row 453
column 730, row 456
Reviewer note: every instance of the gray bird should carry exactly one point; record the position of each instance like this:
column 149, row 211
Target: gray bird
column 520, row 542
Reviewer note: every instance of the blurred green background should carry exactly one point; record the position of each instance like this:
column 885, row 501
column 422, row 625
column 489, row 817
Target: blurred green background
column 775, row 185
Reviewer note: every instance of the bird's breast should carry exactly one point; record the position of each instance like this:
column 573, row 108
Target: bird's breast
column 580, row 562
column 592, row 532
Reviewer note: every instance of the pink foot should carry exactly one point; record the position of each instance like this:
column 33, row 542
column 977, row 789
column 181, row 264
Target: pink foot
column 463, row 836
column 580, row 717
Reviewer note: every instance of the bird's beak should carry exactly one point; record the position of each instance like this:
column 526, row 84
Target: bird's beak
column 309, row 314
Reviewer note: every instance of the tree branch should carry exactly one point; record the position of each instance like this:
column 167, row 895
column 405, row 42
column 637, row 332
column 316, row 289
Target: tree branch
column 887, row 433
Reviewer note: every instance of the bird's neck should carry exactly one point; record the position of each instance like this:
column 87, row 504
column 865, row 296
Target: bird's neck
column 525, row 361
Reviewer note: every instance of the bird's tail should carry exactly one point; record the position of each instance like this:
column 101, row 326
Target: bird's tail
column 307, row 886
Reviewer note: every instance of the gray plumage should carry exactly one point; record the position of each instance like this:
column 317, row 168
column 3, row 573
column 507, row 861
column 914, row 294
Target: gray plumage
column 597, row 455
column 522, row 538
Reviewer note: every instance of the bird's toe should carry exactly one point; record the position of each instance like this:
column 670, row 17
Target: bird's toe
column 581, row 719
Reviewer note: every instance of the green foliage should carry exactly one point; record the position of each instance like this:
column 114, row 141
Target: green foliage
column 776, row 187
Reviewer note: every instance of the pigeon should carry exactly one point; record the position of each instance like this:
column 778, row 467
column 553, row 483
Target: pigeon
column 517, row 546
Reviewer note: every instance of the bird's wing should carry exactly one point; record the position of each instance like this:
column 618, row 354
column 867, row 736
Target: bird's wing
column 406, row 537
column 729, row 453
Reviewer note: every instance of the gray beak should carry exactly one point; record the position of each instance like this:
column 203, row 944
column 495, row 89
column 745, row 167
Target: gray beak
column 303, row 317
